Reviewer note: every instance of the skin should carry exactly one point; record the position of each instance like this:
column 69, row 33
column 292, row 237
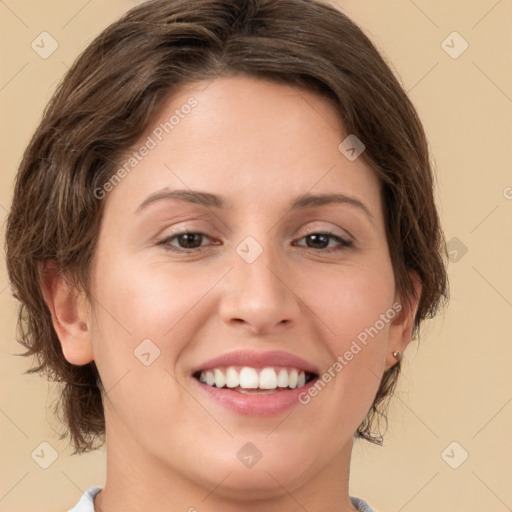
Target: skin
column 258, row 145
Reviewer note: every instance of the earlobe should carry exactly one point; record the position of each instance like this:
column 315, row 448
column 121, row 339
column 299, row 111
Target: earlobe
column 69, row 314
column 401, row 328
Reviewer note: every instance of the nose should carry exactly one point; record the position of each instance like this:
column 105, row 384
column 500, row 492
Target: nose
column 260, row 296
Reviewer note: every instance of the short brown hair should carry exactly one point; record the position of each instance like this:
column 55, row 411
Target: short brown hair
column 104, row 104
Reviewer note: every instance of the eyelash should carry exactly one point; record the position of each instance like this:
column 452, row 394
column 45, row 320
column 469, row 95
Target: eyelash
column 345, row 244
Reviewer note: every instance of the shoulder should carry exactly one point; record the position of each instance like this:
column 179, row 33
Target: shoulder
column 86, row 501
column 361, row 505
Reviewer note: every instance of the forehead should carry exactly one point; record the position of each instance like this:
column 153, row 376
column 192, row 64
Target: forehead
column 246, row 139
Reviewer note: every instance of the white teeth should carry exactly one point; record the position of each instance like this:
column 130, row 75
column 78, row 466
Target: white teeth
column 251, row 378
column 210, row 378
column 232, row 378
column 293, row 377
column 282, row 378
column 268, row 378
column 220, row 380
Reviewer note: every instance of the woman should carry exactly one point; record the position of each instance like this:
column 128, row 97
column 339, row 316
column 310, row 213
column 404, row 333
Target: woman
column 223, row 237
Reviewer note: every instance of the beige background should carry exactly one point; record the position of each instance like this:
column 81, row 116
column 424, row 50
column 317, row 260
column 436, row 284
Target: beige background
column 456, row 386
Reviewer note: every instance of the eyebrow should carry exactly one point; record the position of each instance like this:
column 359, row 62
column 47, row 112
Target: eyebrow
column 215, row 201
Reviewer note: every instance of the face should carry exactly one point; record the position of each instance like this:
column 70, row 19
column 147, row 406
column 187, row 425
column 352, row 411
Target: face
column 264, row 268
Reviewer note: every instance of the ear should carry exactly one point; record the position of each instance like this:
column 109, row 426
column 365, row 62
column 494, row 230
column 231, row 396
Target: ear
column 70, row 315
column 401, row 327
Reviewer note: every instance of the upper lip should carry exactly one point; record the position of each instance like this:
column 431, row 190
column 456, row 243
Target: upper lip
column 257, row 360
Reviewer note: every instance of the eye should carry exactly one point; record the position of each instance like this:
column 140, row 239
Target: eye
column 192, row 240
column 186, row 240
column 321, row 241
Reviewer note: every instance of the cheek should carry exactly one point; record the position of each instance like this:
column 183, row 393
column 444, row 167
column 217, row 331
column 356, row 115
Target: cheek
column 143, row 323
column 140, row 310
column 352, row 299
column 148, row 300
column 356, row 306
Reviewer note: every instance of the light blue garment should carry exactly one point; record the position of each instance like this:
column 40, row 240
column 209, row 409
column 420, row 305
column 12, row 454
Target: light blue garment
column 361, row 505
column 86, row 504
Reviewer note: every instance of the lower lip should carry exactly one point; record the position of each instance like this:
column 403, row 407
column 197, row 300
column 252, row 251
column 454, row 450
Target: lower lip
column 256, row 405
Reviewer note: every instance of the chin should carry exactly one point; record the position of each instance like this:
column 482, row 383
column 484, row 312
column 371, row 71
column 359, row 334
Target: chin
column 253, row 484
column 262, row 479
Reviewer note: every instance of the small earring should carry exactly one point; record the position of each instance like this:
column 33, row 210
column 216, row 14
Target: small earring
column 397, row 354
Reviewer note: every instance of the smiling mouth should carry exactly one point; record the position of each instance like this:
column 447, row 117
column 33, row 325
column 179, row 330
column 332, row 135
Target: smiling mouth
column 253, row 381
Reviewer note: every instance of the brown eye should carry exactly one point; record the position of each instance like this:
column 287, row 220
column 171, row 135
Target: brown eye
column 190, row 240
column 321, row 241
column 187, row 240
